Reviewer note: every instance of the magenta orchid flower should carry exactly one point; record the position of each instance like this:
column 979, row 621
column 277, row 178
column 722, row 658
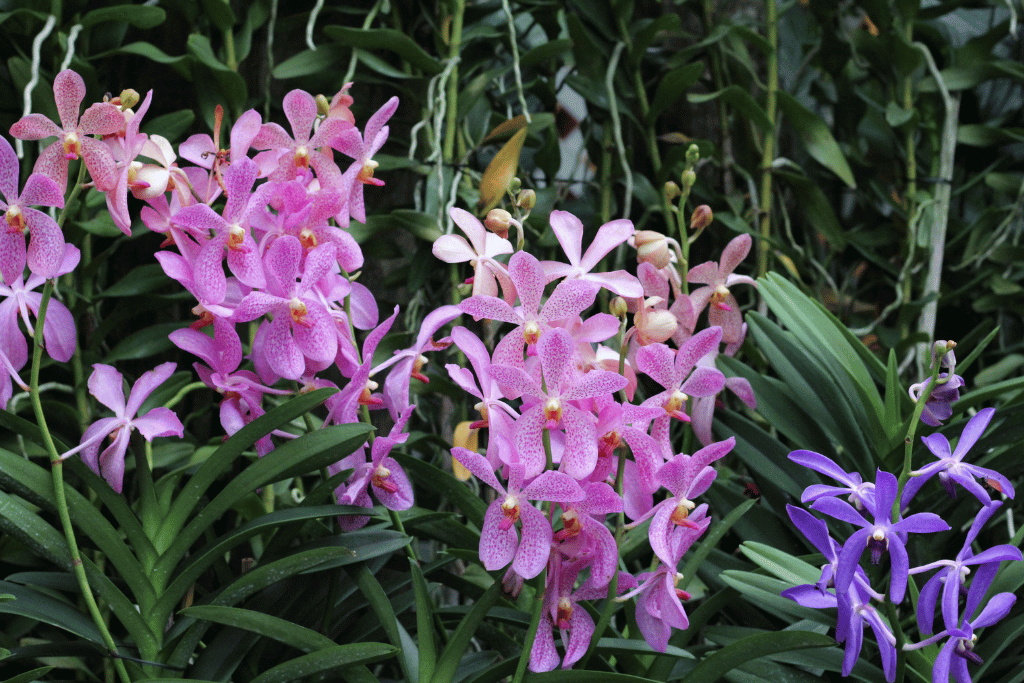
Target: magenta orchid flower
column 107, row 385
column 569, row 231
column 74, row 134
column 480, row 251
column 46, row 241
column 499, row 542
column 719, row 277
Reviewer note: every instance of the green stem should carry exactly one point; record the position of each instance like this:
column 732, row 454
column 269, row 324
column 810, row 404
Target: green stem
column 901, row 639
column 531, row 635
column 768, row 155
column 57, row 470
column 451, row 122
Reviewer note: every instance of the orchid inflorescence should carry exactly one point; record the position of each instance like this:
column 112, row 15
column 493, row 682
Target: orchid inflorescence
column 883, row 528
column 556, row 401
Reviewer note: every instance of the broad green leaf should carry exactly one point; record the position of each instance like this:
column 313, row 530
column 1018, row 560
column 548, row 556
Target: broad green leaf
column 309, row 62
column 436, row 479
column 171, row 126
column 584, row 677
column 424, row 623
column 179, row 63
column 139, row 16
column 817, row 138
column 711, row 539
column 672, row 86
column 267, row 625
column 226, row 455
column 29, row 676
column 665, row 25
column 219, row 13
column 307, row 453
column 817, row 207
column 545, row 51
column 740, row 100
column 386, row 39
column 381, row 606
column 501, row 170
column 49, row 610
column 144, row 343
column 459, row 641
column 765, row 593
column 332, row 660
column 139, row 280
column 728, row 658
column 102, row 226
column 781, row 564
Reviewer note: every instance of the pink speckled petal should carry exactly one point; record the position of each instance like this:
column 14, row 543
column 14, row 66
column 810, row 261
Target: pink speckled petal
column 36, row 127
column 376, row 122
column 300, row 109
column 101, row 165
column 535, row 545
column 46, row 243
column 554, row 486
column 489, row 307
column 609, row 236
column 734, row 253
column 569, row 231
column 529, row 441
column 9, row 173
column 596, row 383
column 40, row 190
column 68, row 92
column 146, row 385
column 657, row 361
column 281, row 262
column 104, row 118
column 319, row 341
column 569, row 299
column 159, row 422
column 497, row 547
column 528, row 276
column 59, row 332
column 54, row 165
column 555, row 350
column 704, row 382
column 281, row 351
column 580, row 455
column 705, row 273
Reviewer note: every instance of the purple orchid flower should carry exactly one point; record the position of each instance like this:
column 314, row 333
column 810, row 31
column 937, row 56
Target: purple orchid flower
column 107, row 385
column 17, row 298
column 952, row 574
column 862, row 494
column 880, row 535
column 951, row 468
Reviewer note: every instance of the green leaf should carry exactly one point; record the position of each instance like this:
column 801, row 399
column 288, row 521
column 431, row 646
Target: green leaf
column 740, row 100
column 34, row 605
column 381, row 606
column 171, row 126
column 306, row 453
column 309, row 62
column 139, row 280
column 731, row 656
column 226, row 455
column 711, row 539
column 584, row 677
column 893, row 393
column 459, row 642
column 278, row 629
column 332, row 660
column 139, row 16
column 102, row 226
column 431, row 477
column 179, row 63
column 424, row 623
column 666, row 24
column 29, row 676
column 817, row 138
column 542, row 53
column 145, row 343
column 783, row 565
column 386, row 39
column 817, row 207
column 672, row 86
column 219, row 13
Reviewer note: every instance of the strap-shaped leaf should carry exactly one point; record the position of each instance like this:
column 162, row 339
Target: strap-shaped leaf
column 381, row 606
column 430, row 477
column 452, row 654
column 711, row 540
column 817, row 138
column 34, row 605
column 227, row 453
column 728, row 658
column 278, row 629
column 386, row 39
column 332, row 660
column 29, row 676
column 424, row 623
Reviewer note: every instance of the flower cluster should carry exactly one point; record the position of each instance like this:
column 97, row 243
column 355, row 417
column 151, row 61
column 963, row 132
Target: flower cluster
column 883, row 529
column 561, row 414
column 273, row 207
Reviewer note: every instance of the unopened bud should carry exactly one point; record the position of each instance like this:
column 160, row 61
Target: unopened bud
column 617, row 307
column 672, row 190
column 702, row 217
column 527, row 200
column 323, row 107
column 498, row 221
column 692, row 155
column 943, row 350
column 515, row 185
column 652, row 247
column 655, row 327
column 688, row 178
column 465, row 289
column 129, row 98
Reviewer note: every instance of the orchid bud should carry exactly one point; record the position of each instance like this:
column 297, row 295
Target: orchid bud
column 618, row 307
column 498, row 221
column 943, row 350
column 323, row 107
column 527, row 200
column 672, row 190
column 702, row 217
column 652, row 247
column 465, row 289
column 692, row 155
column 129, row 98
column 688, row 178
column 655, row 327
column 515, row 185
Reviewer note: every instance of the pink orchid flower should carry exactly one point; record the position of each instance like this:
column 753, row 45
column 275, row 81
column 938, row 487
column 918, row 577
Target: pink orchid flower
column 499, row 542
column 569, row 231
column 718, row 278
column 106, row 384
column 361, row 149
column 480, row 251
column 74, row 138
column 58, row 328
column 46, row 241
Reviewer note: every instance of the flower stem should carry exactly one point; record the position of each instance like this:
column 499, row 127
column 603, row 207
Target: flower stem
column 57, row 471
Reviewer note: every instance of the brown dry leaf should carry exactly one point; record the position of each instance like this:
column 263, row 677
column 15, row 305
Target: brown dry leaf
column 506, row 128
column 500, row 172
